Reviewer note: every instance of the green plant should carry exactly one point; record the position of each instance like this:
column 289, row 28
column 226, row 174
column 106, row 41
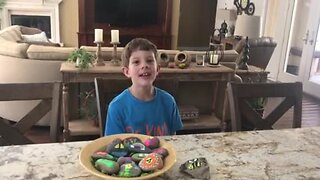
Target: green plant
column 88, row 108
column 259, row 102
column 2, row 3
column 81, row 57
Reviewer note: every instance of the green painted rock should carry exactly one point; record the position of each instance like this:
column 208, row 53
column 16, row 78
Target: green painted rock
column 129, row 170
column 137, row 157
column 102, row 155
column 107, row 166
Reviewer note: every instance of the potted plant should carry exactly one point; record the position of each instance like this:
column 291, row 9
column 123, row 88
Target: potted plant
column 81, row 57
column 258, row 103
column 2, row 3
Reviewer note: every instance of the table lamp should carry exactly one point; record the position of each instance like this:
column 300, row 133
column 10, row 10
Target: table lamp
column 247, row 27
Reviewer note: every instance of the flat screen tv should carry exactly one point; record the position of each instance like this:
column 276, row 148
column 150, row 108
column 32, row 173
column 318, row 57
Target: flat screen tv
column 126, row 13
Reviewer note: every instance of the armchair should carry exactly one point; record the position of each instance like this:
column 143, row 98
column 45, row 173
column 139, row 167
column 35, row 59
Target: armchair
column 261, row 50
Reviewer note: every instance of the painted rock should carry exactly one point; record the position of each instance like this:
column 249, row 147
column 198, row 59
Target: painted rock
column 107, row 166
column 137, row 157
column 117, row 148
column 152, row 143
column 131, row 140
column 102, row 155
column 151, row 162
column 162, row 151
column 139, row 148
column 124, row 160
column 129, row 170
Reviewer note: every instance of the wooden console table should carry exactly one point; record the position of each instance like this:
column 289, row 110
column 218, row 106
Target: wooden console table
column 193, row 74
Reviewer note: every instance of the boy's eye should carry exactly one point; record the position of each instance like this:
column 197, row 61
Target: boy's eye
column 135, row 62
column 150, row 60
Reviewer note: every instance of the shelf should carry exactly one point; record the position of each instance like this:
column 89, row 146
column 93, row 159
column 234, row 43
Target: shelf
column 86, row 127
column 203, row 122
column 79, row 127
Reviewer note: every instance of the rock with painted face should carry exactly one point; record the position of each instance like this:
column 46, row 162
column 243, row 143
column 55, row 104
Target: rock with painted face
column 107, row 166
column 116, row 148
column 152, row 143
column 129, row 170
column 151, row 162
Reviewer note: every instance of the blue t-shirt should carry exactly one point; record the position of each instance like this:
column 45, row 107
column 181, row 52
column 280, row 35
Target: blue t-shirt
column 157, row 117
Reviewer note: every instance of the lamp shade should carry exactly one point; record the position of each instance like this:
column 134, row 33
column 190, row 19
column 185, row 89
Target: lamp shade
column 248, row 26
column 226, row 14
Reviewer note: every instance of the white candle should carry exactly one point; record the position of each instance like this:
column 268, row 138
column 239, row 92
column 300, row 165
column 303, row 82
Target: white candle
column 214, row 59
column 98, row 35
column 114, row 35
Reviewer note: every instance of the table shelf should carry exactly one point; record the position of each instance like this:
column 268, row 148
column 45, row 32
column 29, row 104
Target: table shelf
column 81, row 127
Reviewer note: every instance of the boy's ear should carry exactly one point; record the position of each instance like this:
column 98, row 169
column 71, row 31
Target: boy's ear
column 125, row 71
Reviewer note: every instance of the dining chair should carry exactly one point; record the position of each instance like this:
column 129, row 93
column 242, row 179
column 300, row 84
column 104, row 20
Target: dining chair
column 48, row 94
column 243, row 112
column 107, row 89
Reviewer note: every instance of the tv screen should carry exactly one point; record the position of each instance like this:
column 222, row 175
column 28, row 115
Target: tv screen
column 126, row 12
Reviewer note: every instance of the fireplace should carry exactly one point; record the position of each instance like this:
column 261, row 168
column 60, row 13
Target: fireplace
column 40, row 22
column 42, row 14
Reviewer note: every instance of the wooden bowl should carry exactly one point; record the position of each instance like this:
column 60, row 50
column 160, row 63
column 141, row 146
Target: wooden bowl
column 101, row 143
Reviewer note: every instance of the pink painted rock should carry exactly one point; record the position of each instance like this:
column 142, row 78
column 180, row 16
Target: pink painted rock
column 152, row 143
column 162, row 151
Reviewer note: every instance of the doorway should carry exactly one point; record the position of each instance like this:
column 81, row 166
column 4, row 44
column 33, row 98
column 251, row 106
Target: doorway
column 196, row 23
column 300, row 60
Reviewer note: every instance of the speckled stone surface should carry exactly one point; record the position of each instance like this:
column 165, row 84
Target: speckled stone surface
column 274, row 154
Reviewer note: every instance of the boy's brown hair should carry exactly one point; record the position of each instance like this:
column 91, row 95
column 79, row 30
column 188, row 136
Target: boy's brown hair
column 135, row 45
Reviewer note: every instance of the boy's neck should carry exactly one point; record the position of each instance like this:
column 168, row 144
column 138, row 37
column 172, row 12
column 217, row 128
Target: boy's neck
column 143, row 93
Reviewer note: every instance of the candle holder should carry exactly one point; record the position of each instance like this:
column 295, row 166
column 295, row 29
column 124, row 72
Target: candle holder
column 99, row 60
column 115, row 61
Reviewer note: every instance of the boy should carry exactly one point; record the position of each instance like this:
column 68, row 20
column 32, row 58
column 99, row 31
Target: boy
column 142, row 108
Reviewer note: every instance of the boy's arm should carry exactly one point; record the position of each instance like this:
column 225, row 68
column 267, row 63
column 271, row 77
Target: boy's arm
column 176, row 119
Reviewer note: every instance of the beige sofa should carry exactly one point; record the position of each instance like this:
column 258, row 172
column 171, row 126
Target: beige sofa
column 27, row 62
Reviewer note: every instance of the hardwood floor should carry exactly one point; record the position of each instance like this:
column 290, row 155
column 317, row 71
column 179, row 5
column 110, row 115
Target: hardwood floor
column 310, row 118
column 310, row 113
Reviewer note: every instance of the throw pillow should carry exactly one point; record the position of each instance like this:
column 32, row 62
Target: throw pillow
column 41, row 37
column 9, row 48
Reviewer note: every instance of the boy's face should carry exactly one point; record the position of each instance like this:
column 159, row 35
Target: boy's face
column 142, row 69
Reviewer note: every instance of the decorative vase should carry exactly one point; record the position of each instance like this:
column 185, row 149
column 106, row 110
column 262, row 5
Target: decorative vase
column 163, row 59
column 182, row 59
column 78, row 62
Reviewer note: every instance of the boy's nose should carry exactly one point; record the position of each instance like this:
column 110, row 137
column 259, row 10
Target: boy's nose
column 145, row 64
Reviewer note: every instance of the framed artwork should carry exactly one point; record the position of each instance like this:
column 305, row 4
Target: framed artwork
column 244, row 6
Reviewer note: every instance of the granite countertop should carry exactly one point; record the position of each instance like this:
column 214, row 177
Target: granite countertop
column 273, row 154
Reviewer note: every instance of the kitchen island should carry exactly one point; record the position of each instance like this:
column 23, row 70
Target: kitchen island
column 271, row 154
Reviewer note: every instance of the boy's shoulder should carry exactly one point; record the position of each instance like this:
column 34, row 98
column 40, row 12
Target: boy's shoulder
column 163, row 93
column 122, row 97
